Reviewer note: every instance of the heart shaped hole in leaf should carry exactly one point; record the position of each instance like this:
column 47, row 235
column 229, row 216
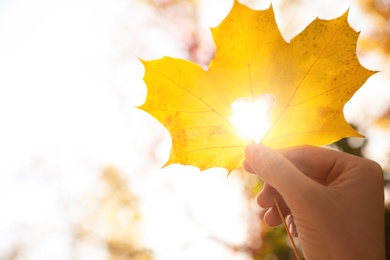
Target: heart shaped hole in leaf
column 251, row 117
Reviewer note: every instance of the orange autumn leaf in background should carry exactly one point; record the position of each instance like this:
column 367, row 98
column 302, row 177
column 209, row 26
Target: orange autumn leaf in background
column 311, row 79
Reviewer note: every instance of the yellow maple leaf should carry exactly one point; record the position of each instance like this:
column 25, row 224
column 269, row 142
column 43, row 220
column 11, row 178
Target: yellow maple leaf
column 311, row 78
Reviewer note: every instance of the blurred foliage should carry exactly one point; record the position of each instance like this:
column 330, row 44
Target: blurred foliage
column 112, row 219
column 384, row 120
column 378, row 39
column 119, row 211
column 275, row 242
column 387, row 227
column 193, row 40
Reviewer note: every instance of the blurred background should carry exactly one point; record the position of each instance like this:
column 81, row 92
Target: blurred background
column 81, row 172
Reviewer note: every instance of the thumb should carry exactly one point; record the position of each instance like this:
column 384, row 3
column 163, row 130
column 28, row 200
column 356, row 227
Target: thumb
column 276, row 170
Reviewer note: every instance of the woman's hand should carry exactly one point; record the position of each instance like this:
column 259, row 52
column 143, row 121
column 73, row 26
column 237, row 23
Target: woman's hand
column 334, row 200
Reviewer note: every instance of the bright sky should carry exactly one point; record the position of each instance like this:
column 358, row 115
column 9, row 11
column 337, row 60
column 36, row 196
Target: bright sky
column 69, row 81
column 66, row 109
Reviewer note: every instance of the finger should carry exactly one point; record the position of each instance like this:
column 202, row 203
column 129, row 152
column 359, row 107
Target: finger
column 317, row 162
column 265, row 198
column 278, row 171
column 291, row 225
column 272, row 216
column 247, row 167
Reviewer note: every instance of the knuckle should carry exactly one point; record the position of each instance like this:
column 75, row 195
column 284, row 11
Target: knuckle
column 373, row 171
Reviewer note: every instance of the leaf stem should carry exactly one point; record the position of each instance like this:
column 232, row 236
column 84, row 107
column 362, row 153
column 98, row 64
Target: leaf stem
column 298, row 257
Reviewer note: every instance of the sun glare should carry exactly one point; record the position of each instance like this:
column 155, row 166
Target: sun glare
column 251, row 117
